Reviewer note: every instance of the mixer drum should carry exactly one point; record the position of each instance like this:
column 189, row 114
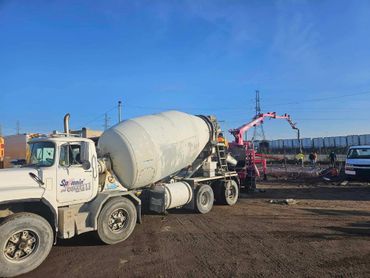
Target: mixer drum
column 147, row 149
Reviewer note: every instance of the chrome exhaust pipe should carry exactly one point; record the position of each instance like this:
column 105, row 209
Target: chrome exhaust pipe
column 66, row 123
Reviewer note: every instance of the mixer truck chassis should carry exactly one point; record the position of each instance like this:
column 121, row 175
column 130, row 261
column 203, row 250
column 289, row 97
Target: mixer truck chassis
column 70, row 186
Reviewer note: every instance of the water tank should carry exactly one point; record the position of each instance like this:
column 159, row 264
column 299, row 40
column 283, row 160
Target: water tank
column 340, row 141
column 326, row 142
column 287, row 144
column 318, row 142
column 353, row 140
column 147, row 149
column 296, row 143
column 280, row 144
column 365, row 139
column 273, row 145
column 307, row 143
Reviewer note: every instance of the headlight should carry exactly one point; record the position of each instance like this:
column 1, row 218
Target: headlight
column 348, row 167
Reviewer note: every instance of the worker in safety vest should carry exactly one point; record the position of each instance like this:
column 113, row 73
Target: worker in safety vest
column 221, row 139
column 300, row 158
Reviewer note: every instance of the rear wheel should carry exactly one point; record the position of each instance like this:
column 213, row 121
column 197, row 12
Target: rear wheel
column 204, row 199
column 229, row 193
column 116, row 221
column 25, row 242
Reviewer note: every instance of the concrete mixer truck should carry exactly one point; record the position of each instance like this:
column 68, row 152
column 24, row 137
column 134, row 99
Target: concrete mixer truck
column 70, row 186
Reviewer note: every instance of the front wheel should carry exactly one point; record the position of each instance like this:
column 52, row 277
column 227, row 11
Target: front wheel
column 116, row 221
column 25, row 242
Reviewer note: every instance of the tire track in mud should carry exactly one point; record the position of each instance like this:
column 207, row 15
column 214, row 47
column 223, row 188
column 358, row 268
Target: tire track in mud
column 227, row 243
column 252, row 238
column 268, row 248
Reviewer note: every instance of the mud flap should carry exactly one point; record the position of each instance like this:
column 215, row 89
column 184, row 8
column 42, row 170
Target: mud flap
column 191, row 204
column 138, row 211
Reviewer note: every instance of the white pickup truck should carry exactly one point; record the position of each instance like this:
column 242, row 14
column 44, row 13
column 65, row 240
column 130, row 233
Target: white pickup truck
column 69, row 186
column 358, row 163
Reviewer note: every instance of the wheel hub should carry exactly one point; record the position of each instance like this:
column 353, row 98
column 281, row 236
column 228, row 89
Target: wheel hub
column 204, row 199
column 230, row 191
column 117, row 220
column 21, row 245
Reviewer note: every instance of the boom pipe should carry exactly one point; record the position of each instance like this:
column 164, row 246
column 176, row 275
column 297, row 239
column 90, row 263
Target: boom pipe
column 238, row 133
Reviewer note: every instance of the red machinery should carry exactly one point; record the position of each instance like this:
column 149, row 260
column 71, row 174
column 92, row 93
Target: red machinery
column 245, row 153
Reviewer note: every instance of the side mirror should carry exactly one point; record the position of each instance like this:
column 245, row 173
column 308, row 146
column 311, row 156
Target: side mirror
column 86, row 165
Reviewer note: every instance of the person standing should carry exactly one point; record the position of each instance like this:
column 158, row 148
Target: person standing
column 300, row 157
column 333, row 158
column 315, row 156
column 310, row 157
column 221, row 139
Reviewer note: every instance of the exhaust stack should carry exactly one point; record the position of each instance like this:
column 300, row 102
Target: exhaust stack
column 66, row 123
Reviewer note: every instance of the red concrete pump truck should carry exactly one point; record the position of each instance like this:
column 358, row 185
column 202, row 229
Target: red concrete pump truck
column 244, row 152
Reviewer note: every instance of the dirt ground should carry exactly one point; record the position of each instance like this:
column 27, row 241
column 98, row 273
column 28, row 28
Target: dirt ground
column 326, row 234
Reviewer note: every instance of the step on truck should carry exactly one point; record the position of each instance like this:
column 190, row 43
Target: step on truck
column 71, row 185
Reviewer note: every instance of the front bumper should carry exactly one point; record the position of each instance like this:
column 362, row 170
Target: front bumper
column 358, row 173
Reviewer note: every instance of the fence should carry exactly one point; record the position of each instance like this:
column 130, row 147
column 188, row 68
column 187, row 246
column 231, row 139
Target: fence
column 322, row 145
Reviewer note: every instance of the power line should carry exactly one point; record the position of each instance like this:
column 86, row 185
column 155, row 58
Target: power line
column 320, row 99
column 307, row 119
column 106, row 121
column 100, row 116
column 183, row 107
column 334, row 97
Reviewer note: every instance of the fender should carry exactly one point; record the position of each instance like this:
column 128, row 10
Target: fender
column 94, row 207
column 36, row 200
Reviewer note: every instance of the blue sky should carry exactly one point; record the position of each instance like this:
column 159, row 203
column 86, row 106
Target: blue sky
column 307, row 58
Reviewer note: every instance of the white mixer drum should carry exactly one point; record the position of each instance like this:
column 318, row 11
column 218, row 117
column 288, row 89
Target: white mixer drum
column 147, row 149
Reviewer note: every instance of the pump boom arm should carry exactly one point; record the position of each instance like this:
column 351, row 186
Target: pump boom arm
column 238, row 133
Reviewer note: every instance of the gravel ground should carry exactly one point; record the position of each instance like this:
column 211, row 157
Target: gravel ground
column 327, row 233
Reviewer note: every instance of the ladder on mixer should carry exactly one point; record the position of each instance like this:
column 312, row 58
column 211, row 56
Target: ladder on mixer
column 221, row 156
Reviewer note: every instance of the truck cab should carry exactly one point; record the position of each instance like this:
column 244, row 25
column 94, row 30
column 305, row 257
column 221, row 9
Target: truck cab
column 56, row 194
column 55, row 167
column 358, row 163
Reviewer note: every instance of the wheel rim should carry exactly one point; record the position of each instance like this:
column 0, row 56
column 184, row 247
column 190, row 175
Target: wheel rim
column 21, row 245
column 204, row 199
column 231, row 191
column 118, row 220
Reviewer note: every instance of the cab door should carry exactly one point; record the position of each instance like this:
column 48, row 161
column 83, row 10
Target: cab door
column 74, row 174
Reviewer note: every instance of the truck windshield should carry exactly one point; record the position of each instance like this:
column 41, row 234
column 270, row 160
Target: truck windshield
column 359, row 153
column 42, row 154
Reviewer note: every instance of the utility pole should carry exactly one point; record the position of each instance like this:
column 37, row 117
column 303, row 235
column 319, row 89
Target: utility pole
column 18, row 128
column 106, row 121
column 258, row 130
column 119, row 111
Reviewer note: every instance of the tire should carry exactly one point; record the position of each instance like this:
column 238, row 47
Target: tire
column 24, row 232
column 116, row 220
column 229, row 193
column 204, row 199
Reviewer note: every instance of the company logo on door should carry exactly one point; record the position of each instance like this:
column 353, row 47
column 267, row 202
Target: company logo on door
column 75, row 185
